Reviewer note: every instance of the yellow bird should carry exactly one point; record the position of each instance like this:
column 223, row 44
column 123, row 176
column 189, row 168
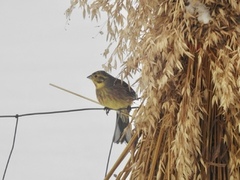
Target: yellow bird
column 115, row 94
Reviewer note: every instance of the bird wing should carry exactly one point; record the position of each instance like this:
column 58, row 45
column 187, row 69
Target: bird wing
column 125, row 88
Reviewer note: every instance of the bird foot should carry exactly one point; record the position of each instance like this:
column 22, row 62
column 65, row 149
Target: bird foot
column 129, row 108
column 107, row 110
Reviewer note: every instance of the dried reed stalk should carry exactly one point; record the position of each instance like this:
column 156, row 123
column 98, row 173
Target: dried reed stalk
column 189, row 57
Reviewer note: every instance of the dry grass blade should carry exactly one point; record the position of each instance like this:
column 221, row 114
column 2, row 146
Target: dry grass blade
column 74, row 93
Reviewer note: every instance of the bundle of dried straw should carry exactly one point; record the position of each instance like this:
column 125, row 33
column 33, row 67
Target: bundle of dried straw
column 189, row 57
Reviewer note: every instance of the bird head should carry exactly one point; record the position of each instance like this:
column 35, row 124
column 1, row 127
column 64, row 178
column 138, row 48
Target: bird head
column 99, row 78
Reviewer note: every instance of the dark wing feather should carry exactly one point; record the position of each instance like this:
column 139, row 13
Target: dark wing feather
column 125, row 88
column 122, row 123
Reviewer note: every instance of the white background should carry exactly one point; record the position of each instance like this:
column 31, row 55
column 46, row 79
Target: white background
column 38, row 48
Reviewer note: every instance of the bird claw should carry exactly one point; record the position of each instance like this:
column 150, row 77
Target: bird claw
column 129, row 108
column 107, row 110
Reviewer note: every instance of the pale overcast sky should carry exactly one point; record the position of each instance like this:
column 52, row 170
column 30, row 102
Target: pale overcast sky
column 38, row 48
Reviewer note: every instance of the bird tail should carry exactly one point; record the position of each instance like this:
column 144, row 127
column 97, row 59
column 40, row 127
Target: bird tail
column 122, row 132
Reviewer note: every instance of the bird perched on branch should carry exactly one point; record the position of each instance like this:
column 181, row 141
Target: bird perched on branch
column 115, row 94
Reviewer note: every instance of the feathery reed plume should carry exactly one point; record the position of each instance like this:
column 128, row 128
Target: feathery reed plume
column 189, row 57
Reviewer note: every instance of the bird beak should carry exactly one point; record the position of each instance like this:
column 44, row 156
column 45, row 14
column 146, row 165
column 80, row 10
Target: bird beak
column 89, row 77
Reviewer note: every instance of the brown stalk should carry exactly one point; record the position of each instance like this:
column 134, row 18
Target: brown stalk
column 122, row 156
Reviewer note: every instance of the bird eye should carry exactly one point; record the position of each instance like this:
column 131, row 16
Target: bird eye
column 95, row 75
